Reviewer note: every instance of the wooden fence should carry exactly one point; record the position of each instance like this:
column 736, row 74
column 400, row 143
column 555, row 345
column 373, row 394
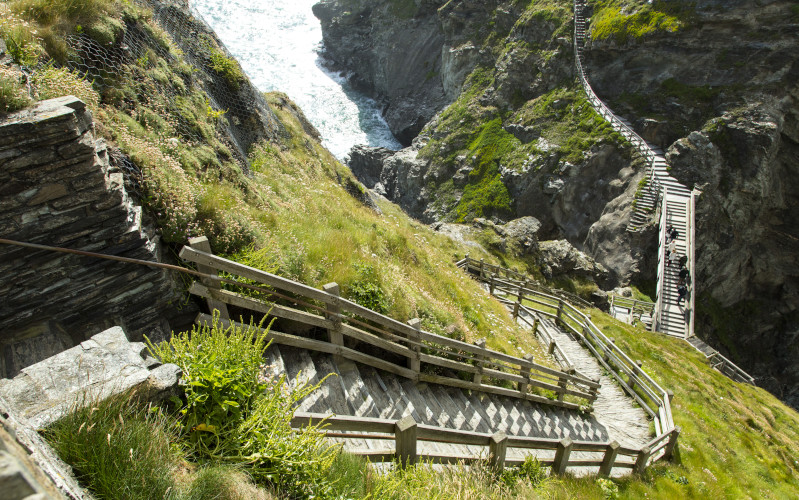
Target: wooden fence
column 638, row 308
column 655, row 401
column 485, row 271
column 556, row 453
column 409, row 351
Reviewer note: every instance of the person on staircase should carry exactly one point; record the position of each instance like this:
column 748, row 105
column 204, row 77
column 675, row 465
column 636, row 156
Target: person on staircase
column 671, row 251
column 684, row 276
column 682, row 292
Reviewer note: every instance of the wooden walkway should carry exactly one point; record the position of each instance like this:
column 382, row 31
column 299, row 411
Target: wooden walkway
column 675, row 202
column 613, row 409
column 363, row 391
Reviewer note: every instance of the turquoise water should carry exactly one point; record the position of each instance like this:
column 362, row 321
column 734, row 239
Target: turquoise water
column 277, row 43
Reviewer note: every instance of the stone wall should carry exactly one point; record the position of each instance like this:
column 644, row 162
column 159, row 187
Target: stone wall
column 57, row 188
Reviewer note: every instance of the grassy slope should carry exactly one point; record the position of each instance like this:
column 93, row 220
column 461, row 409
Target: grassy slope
column 737, row 441
column 293, row 215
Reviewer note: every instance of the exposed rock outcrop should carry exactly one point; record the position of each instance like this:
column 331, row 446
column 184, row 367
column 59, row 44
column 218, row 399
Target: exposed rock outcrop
column 559, row 259
column 103, row 366
column 394, row 50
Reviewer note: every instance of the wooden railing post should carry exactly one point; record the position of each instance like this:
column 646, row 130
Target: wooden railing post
column 414, row 363
column 334, row 314
column 524, row 371
column 636, row 371
column 482, row 268
column 405, row 439
column 497, row 449
column 478, row 377
column 668, row 451
column 491, row 284
column 202, row 244
column 562, row 382
column 518, row 303
column 593, row 391
column 643, row 458
column 552, row 346
column 535, row 325
column 558, row 319
column 609, row 459
column 562, row 456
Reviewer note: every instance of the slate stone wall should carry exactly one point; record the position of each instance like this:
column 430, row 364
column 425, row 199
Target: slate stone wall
column 57, row 188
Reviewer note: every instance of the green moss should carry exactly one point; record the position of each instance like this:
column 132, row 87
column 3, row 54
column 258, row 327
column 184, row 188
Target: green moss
column 105, row 30
column 485, row 194
column 486, row 198
column 623, row 20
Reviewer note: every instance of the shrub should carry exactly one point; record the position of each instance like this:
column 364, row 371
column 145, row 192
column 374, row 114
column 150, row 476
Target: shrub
column 227, row 67
column 367, row 289
column 530, row 471
column 222, row 375
column 51, row 82
column 234, row 413
column 13, row 95
column 24, row 46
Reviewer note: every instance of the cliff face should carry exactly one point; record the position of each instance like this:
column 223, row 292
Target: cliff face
column 722, row 94
column 395, row 49
column 517, row 139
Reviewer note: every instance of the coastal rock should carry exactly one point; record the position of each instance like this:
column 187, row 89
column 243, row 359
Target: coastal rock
column 394, row 53
column 558, row 259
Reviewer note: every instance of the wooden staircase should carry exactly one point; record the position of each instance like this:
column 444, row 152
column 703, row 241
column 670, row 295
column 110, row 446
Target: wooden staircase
column 676, row 204
column 672, row 318
column 362, row 391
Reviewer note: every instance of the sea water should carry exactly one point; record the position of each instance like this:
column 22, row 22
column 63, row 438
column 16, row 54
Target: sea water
column 278, row 43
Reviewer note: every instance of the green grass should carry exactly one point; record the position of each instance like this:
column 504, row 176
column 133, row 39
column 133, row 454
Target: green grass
column 624, row 20
column 294, row 216
column 227, row 67
column 13, row 94
column 121, row 449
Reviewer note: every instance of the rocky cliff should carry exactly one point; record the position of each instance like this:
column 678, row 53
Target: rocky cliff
column 721, row 92
column 518, row 138
column 713, row 82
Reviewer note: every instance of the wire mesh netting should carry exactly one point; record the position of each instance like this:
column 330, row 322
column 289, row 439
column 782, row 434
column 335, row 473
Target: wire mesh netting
column 206, row 70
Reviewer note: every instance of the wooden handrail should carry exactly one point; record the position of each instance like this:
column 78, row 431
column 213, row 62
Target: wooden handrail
column 344, row 426
column 654, row 399
column 339, row 316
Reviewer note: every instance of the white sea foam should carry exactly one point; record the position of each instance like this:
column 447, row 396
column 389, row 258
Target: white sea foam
column 277, row 43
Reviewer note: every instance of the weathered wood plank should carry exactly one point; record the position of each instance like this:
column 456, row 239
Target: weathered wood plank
column 203, row 258
column 275, row 310
column 317, row 345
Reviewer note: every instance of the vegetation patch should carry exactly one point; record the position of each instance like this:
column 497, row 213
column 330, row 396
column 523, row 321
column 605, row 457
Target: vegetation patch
column 13, row 93
column 234, row 413
column 227, row 67
column 623, row 20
